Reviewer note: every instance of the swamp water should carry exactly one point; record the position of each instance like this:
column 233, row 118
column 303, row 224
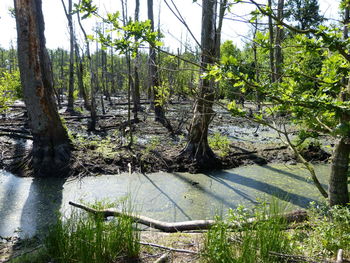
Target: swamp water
column 28, row 205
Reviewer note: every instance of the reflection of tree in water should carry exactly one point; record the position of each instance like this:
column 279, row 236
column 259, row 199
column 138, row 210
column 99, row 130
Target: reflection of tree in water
column 42, row 205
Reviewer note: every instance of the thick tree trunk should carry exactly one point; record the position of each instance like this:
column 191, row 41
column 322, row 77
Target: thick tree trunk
column 51, row 145
column 197, row 148
column 338, row 181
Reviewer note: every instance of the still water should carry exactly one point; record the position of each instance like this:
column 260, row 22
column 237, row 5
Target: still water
column 28, row 205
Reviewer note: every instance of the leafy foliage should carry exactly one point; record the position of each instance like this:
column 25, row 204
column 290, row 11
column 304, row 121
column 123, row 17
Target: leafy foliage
column 10, row 88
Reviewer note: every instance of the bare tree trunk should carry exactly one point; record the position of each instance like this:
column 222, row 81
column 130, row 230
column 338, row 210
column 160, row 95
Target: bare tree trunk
column 154, row 76
column 272, row 43
column 278, row 42
column 93, row 113
column 222, row 10
column 68, row 13
column 338, row 181
column 136, row 88
column 51, row 144
column 197, row 148
column 80, row 73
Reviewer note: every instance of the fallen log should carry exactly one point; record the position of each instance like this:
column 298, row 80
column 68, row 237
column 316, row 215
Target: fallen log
column 88, row 117
column 160, row 225
column 294, row 216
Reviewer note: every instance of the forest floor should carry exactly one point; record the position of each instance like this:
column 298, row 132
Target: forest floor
column 236, row 141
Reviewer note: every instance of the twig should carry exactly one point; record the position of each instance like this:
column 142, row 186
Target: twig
column 169, row 248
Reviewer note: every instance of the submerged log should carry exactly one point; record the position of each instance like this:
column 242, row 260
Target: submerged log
column 294, row 216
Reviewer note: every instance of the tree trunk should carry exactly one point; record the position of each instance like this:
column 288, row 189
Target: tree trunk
column 80, row 73
column 93, row 113
column 136, row 87
column 197, row 148
column 154, row 76
column 51, row 144
column 278, row 43
column 68, row 13
column 272, row 43
column 338, row 181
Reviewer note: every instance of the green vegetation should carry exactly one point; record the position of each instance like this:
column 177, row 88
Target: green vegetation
column 220, row 143
column 87, row 239
column 254, row 242
column 330, row 231
column 10, row 88
column 323, row 235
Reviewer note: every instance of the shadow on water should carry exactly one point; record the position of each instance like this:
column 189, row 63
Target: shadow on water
column 205, row 191
column 291, row 175
column 267, row 188
column 237, row 191
column 41, row 208
column 167, row 196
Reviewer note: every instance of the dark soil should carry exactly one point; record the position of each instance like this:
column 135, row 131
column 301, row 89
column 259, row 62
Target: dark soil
column 154, row 148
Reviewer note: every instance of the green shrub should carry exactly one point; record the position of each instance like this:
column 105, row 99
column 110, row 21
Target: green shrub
column 10, row 88
column 219, row 143
column 330, row 231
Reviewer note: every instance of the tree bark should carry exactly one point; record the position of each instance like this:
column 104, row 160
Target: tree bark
column 154, row 76
column 136, row 87
column 278, row 43
column 80, row 73
column 51, row 145
column 272, row 43
column 69, row 16
column 93, row 113
column 197, row 148
column 338, row 181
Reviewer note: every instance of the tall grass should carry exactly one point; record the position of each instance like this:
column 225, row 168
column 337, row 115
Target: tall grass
column 254, row 242
column 91, row 239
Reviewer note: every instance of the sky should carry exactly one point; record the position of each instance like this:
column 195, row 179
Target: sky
column 57, row 31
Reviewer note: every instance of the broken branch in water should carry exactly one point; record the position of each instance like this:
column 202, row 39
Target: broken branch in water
column 295, row 216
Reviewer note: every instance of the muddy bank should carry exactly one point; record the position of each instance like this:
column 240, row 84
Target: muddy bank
column 154, row 148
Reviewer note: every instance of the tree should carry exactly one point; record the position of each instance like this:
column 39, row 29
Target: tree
column 51, row 145
column 197, row 148
column 154, row 81
column 278, row 42
column 318, row 102
column 69, row 16
column 338, row 181
column 305, row 12
column 136, row 87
